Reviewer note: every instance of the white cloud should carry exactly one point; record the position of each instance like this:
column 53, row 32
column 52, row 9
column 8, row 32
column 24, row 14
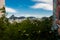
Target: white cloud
column 36, row 15
column 46, row 4
column 46, row 1
column 33, row 15
column 43, row 6
column 10, row 10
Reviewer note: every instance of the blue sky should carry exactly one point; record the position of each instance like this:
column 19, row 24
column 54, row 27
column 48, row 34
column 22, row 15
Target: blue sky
column 37, row 8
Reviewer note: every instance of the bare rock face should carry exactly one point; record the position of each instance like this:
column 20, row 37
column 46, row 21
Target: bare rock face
column 58, row 16
column 58, row 31
column 2, row 3
column 58, row 12
column 58, row 1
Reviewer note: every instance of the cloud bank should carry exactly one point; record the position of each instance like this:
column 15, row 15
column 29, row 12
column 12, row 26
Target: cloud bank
column 10, row 10
column 44, row 4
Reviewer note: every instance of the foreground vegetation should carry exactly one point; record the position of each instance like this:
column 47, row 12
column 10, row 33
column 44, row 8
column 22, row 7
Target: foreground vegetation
column 26, row 30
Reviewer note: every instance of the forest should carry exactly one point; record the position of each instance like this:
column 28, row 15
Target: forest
column 26, row 30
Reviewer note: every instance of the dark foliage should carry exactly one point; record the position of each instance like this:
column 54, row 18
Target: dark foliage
column 26, row 30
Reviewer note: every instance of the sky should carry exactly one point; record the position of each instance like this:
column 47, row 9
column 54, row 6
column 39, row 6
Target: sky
column 36, row 8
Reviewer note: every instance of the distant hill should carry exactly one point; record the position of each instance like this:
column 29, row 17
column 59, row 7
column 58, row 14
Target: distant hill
column 19, row 19
column 14, row 17
column 22, row 17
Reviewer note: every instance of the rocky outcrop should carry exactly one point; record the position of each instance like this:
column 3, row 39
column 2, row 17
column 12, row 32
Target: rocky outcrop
column 2, row 9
